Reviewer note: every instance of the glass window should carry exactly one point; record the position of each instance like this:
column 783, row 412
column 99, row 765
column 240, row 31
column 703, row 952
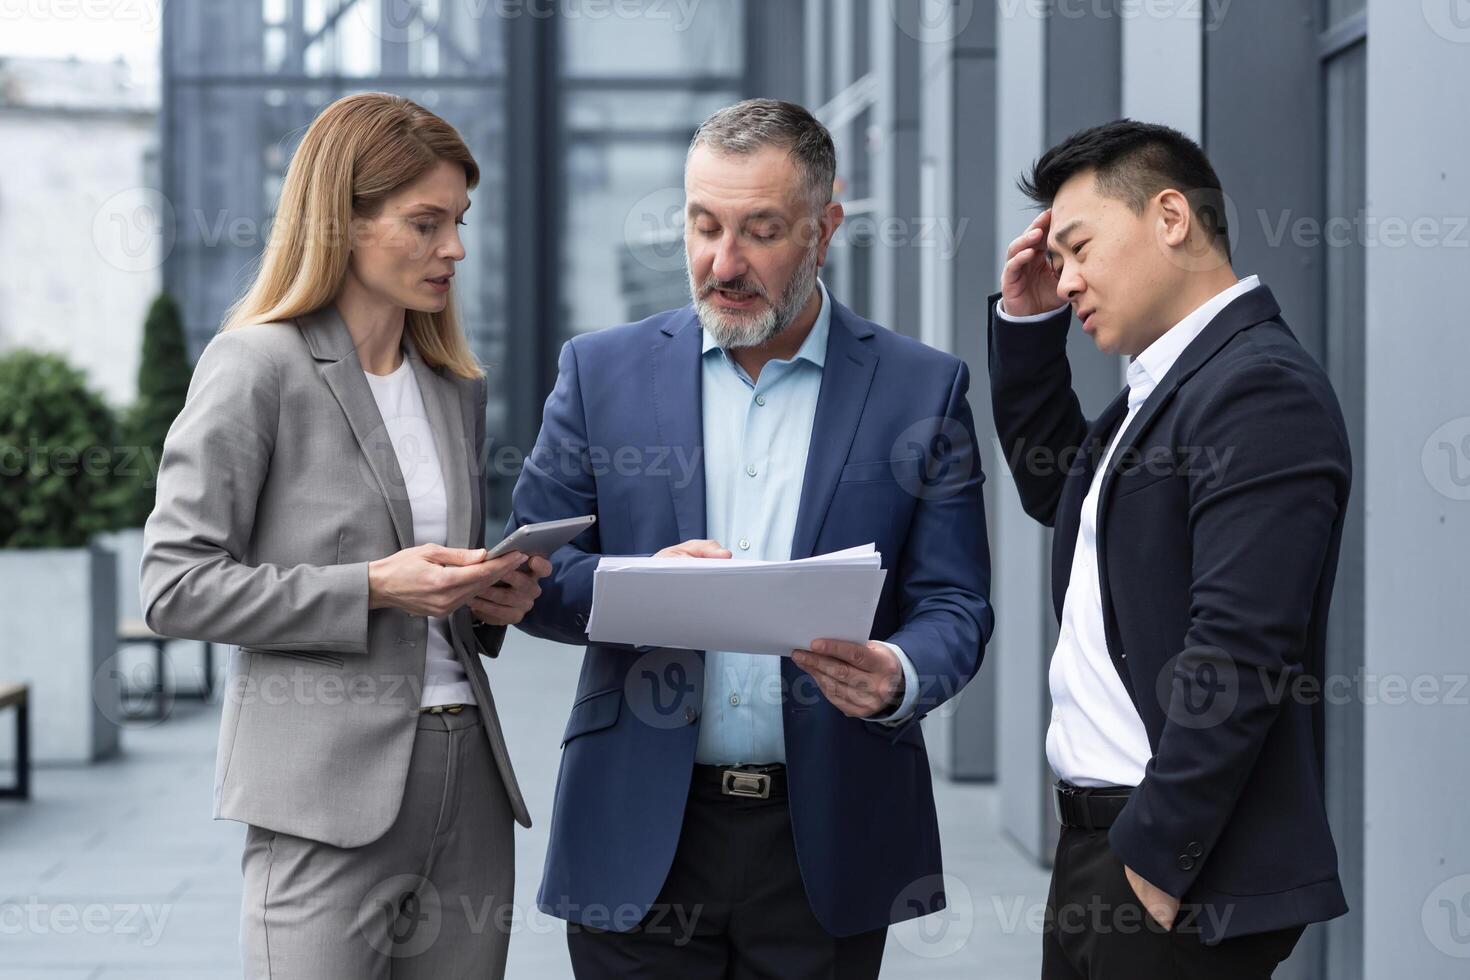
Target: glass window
column 243, row 100
column 635, row 87
column 652, row 38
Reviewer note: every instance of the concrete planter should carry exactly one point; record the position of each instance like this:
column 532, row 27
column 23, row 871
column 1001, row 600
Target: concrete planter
column 58, row 633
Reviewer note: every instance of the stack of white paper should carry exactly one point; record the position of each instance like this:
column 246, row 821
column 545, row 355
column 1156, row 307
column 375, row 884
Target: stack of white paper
column 737, row 604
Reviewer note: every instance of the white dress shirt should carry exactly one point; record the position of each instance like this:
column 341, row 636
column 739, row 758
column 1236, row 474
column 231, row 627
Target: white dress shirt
column 402, row 406
column 1096, row 737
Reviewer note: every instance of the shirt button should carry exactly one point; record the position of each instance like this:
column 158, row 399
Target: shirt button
column 750, row 470
column 760, row 399
column 734, row 699
column 744, row 544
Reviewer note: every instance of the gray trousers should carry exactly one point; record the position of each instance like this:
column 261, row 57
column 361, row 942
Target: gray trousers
column 432, row 897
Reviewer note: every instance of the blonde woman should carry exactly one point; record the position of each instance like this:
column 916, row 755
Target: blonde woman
column 319, row 507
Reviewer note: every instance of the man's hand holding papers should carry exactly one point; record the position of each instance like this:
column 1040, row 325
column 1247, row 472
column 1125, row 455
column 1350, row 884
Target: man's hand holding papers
column 820, row 610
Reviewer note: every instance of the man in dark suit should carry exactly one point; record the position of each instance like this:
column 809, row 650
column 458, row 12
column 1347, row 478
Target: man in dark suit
column 1197, row 524
column 726, row 814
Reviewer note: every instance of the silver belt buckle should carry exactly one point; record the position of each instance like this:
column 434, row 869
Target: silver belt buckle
column 756, row 785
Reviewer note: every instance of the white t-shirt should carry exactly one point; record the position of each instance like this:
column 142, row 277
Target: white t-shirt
column 402, row 406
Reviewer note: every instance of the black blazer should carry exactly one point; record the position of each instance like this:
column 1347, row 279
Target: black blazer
column 1219, row 523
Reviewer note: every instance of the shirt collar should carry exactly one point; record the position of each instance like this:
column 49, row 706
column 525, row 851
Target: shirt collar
column 1149, row 367
column 814, row 349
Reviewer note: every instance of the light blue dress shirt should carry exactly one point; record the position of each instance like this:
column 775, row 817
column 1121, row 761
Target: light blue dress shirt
column 756, row 435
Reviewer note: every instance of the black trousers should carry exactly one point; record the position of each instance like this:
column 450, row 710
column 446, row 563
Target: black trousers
column 1096, row 929
column 733, row 906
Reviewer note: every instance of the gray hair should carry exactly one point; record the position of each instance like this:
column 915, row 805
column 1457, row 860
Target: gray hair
column 748, row 126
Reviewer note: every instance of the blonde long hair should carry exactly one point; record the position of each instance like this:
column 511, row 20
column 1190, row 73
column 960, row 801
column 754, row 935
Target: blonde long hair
column 355, row 154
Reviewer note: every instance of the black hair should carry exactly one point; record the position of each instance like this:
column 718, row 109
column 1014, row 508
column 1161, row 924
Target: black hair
column 1134, row 161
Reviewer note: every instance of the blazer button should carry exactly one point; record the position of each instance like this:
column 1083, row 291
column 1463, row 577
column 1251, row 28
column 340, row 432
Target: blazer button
column 581, row 620
column 1195, row 849
column 1186, row 863
column 690, row 714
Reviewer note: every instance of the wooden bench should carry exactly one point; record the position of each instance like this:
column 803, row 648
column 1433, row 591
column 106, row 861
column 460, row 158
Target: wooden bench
column 131, row 631
column 17, row 696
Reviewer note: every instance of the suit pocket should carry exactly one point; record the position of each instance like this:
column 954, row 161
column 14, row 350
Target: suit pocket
column 1128, row 484
column 310, row 656
column 885, row 470
column 593, row 713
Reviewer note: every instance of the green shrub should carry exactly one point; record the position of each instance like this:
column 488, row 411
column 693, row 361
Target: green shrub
column 163, row 381
column 58, row 455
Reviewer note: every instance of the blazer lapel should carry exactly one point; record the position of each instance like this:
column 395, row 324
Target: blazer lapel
column 442, row 404
column 678, row 414
column 1254, row 307
column 1069, row 508
column 846, row 377
column 327, row 337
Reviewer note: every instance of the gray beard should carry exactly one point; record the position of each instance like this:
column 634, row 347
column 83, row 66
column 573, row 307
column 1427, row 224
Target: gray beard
column 731, row 330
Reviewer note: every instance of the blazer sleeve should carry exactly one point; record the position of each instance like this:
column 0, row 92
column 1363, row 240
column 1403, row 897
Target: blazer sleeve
column 1262, row 526
column 943, row 572
column 490, row 636
column 194, row 582
column 557, row 481
column 1034, row 404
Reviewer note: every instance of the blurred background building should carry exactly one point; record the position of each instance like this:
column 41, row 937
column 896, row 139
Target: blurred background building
column 1330, row 122
column 76, row 269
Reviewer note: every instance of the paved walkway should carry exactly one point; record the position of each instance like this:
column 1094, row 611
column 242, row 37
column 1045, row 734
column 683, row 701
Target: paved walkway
column 115, row 870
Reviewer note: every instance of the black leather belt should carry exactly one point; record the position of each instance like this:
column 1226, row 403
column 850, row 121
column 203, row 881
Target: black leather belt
column 444, row 709
column 1089, row 807
column 750, row 782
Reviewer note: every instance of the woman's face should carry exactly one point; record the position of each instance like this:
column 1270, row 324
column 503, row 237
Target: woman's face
column 406, row 255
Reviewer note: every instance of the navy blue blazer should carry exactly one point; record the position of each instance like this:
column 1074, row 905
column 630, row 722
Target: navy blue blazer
column 893, row 461
column 1218, row 529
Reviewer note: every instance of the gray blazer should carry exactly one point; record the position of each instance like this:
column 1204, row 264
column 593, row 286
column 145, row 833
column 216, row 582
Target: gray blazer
column 278, row 484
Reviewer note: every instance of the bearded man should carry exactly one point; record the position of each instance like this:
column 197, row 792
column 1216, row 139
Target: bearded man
column 720, row 813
